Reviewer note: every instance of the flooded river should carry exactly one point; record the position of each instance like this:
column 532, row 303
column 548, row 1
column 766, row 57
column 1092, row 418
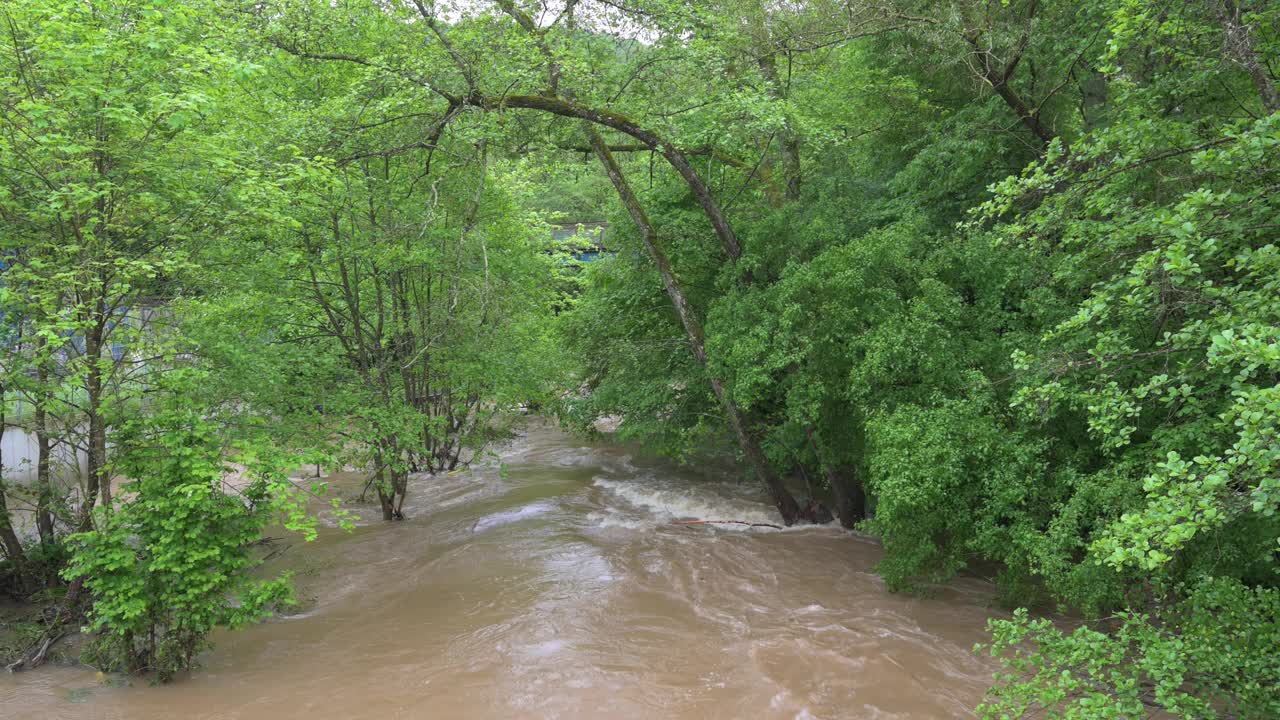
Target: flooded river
column 560, row 588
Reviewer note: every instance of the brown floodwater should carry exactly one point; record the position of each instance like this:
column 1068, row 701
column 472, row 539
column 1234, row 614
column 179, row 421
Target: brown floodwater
column 555, row 585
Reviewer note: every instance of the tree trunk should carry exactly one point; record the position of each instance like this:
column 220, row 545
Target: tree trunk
column 97, row 452
column 1239, row 43
column 998, row 75
column 400, row 484
column 385, row 500
column 788, row 142
column 9, row 538
column 1029, row 118
column 781, row 497
column 674, row 156
column 849, row 496
column 392, row 483
column 44, row 481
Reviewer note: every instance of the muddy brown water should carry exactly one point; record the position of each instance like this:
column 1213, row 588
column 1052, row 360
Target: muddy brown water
column 560, row 588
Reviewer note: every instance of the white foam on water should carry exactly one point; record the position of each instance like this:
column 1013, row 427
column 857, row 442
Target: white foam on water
column 507, row 517
column 545, row 648
column 668, row 501
column 611, row 518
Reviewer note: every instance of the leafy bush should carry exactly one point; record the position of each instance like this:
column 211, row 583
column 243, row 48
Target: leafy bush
column 1214, row 654
column 174, row 560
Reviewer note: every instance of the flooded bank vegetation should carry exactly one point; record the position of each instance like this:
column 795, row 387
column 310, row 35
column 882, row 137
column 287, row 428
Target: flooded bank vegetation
column 995, row 282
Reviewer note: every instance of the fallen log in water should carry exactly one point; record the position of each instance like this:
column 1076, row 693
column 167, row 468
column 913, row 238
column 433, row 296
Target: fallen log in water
column 726, row 522
column 34, row 657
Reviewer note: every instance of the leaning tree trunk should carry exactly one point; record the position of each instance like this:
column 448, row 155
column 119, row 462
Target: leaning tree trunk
column 999, row 74
column 782, row 498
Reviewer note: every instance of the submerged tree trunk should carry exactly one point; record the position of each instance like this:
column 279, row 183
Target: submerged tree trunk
column 385, row 499
column 392, row 483
column 849, row 496
column 782, row 498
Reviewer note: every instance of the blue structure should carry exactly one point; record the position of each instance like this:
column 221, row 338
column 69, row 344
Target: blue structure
column 583, row 240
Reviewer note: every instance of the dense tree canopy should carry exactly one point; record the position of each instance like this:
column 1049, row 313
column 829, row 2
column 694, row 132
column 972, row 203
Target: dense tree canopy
column 997, row 282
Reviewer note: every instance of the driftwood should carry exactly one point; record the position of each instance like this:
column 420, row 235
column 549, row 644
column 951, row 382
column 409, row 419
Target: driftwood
column 34, row 657
column 726, row 522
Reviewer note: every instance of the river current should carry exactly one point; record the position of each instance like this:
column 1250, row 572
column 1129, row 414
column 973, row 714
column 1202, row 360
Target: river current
column 556, row 584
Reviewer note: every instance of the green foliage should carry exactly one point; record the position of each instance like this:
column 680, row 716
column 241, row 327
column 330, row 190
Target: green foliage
column 115, row 169
column 1158, row 230
column 1009, row 268
column 174, row 561
column 1214, row 653
column 631, row 361
column 1039, row 320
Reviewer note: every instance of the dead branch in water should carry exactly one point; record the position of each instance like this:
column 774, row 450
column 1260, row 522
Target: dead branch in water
column 34, row 657
column 726, row 522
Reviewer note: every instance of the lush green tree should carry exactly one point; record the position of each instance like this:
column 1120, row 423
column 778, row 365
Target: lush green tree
column 406, row 281
column 109, row 172
column 116, row 173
